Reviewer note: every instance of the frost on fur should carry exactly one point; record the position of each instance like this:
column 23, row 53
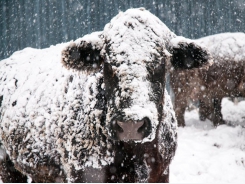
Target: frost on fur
column 88, row 110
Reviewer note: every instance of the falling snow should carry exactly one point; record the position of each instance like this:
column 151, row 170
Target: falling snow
column 204, row 153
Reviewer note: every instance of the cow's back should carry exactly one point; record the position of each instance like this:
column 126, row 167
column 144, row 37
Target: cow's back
column 228, row 70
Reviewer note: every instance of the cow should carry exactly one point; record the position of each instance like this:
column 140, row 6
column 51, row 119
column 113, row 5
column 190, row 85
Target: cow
column 102, row 114
column 225, row 78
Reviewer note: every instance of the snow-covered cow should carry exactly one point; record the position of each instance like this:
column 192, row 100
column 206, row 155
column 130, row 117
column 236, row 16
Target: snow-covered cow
column 100, row 115
column 225, row 78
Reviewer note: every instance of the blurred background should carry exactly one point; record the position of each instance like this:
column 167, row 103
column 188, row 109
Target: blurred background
column 41, row 23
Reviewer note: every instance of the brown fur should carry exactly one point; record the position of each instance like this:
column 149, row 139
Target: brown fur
column 222, row 79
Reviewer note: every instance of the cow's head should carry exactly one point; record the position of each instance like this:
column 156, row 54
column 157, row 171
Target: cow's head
column 132, row 53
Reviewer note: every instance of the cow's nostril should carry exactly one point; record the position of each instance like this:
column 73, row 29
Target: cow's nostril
column 117, row 127
column 146, row 127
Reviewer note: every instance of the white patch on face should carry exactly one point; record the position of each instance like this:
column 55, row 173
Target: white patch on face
column 135, row 41
column 135, row 86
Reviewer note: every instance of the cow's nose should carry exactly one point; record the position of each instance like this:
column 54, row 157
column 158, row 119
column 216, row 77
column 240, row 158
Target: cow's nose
column 132, row 130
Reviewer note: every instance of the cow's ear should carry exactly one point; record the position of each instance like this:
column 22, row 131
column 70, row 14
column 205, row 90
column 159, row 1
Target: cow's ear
column 186, row 54
column 84, row 53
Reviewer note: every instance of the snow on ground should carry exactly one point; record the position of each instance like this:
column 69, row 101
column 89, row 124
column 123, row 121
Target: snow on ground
column 206, row 154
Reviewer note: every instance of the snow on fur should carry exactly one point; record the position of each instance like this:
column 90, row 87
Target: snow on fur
column 50, row 108
column 49, row 112
column 133, row 37
column 231, row 46
column 228, row 50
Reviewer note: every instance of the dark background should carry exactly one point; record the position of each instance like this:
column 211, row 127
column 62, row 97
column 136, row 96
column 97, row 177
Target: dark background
column 41, row 23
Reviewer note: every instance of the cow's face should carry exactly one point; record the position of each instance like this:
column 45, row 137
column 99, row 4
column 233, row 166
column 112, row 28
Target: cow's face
column 134, row 91
column 133, row 58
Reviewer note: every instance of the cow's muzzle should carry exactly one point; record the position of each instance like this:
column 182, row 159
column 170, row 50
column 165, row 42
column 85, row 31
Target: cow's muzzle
column 131, row 130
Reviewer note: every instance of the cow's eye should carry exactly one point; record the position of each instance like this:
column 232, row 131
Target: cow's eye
column 157, row 74
column 157, row 78
column 110, row 79
column 108, row 69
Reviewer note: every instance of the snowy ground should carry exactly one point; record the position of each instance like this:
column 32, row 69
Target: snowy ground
column 208, row 154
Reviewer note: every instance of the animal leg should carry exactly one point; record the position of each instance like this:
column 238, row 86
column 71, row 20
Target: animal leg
column 180, row 112
column 205, row 110
column 180, row 106
column 218, row 118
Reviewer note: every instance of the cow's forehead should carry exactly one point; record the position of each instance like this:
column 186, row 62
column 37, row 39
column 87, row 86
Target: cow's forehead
column 135, row 36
